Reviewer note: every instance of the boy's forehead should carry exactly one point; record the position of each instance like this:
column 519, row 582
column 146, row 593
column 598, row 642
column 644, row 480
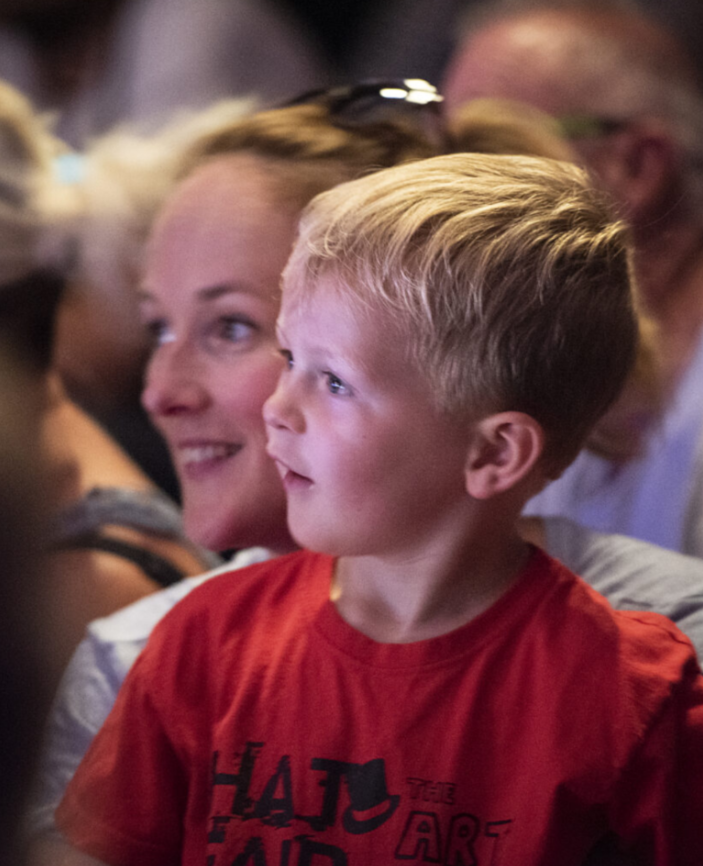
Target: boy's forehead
column 331, row 324
column 295, row 307
column 305, row 300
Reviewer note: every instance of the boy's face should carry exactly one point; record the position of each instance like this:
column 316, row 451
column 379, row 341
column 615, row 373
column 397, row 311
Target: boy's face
column 370, row 466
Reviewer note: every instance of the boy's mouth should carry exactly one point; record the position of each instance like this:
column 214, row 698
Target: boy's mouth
column 294, row 483
column 292, row 480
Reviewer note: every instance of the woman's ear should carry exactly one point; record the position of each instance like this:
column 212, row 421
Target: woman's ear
column 504, row 449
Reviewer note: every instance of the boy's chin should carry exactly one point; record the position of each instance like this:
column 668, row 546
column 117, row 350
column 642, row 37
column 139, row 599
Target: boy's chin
column 336, row 544
column 319, row 541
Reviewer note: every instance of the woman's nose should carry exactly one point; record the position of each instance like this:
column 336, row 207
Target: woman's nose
column 174, row 383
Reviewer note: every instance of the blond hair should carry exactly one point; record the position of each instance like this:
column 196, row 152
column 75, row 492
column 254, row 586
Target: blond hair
column 508, row 277
column 491, row 125
column 26, row 150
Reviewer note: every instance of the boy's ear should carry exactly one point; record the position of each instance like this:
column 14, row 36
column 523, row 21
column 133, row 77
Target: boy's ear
column 504, row 449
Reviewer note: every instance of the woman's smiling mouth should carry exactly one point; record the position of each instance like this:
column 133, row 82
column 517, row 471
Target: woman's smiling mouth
column 198, row 457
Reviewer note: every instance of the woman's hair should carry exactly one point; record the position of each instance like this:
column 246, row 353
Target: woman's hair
column 101, row 218
column 308, row 150
column 104, row 199
column 505, row 126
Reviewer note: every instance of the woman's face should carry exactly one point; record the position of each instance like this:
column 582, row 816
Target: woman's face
column 210, row 300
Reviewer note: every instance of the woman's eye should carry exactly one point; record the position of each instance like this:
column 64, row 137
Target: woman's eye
column 287, row 356
column 159, row 332
column 335, row 385
column 235, row 329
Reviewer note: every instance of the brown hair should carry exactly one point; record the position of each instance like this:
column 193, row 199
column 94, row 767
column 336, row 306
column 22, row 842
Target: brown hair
column 505, row 126
column 307, row 151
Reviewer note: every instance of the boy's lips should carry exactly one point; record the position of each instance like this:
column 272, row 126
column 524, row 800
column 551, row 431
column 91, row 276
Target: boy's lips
column 291, row 479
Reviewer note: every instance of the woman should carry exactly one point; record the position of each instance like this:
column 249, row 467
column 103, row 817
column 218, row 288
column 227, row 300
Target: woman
column 210, row 301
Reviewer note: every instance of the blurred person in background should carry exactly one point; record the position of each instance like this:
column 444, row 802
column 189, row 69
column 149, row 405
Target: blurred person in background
column 97, row 63
column 30, row 635
column 626, row 93
column 114, row 537
column 391, row 38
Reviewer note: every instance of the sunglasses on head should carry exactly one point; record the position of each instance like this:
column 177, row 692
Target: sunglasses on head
column 381, row 101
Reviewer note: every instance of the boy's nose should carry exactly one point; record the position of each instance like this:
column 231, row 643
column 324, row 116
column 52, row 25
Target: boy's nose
column 280, row 410
column 173, row 385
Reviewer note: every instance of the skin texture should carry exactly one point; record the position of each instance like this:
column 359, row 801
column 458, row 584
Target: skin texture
column 210, row 299
column 338, row 427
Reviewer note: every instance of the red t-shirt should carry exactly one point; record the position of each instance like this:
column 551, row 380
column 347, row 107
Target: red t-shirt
column 260, row 729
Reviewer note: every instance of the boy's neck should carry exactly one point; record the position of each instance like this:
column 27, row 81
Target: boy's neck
column 418, row 596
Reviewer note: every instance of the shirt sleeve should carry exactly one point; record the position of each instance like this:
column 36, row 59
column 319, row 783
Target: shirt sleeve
column 658, row 809
column 126, row 803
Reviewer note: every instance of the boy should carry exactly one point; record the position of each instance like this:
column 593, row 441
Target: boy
column 426, row 687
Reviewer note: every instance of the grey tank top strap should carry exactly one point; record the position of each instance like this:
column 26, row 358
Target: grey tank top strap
column 81, row 526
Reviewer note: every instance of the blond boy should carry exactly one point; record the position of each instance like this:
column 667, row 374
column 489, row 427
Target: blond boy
column 426, row 687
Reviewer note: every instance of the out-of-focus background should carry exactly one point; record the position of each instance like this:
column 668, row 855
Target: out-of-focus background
column 98, row 62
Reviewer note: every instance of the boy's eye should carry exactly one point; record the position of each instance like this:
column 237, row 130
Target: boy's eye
column 287, row 356
column 335, row 385
column 159, row 332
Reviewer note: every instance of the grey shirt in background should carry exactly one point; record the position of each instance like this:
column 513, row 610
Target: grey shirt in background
column 633, row 574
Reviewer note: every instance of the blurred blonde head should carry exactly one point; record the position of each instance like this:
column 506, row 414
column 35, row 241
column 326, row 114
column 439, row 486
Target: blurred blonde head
column 506, row 126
